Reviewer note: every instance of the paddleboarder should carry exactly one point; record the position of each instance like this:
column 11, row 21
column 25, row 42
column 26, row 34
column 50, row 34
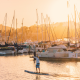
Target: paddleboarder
column 37, row 63
column 34, row 52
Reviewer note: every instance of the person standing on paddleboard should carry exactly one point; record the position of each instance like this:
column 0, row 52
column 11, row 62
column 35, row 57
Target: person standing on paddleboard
column 37, row 63
column 34, row 52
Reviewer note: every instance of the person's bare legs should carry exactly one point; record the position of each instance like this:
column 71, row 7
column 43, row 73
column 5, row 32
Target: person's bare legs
column 39, row 70
column 36, row 69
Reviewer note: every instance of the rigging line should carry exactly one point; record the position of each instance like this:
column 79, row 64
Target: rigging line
column 47, row 27
column 37, row 24
column 72, row 18
column 3, row 23
column 10, row 31
column 63, row 32
column 54, row 31
column 76, row 11
column 77, row 33
column 8, row 20
column 78, row 15
column 78, row 24
column 51, row 30
column 71, row 22
column 42, row 24
column 71, row 28
column 47, row 31
column 2, row 27
column 76, row 30
column 1, row 31
column 10, row 28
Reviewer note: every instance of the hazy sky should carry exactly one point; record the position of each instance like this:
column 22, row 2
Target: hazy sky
column 55, row 9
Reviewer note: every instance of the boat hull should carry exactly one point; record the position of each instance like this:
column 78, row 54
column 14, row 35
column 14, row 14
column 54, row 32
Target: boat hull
column 59, row 59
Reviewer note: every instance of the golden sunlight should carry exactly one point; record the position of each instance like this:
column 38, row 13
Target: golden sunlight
column 61, row 10
column 71, row 69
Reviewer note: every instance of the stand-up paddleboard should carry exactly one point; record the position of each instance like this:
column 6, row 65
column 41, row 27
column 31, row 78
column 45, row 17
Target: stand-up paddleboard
column 54, row 75
column 36, row 72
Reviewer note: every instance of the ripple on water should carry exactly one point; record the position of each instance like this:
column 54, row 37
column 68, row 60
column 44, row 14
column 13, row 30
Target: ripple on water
column 12, row 68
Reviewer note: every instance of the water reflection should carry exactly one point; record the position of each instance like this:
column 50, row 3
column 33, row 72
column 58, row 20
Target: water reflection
column 73, row 68
column 13, row 68
column 37, row 77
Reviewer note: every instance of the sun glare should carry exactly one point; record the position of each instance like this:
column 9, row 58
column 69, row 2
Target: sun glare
column 71, row 69
column 60, row 10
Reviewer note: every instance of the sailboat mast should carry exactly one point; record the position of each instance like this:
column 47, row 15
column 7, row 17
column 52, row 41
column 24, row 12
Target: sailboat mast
column 22, row 30
column 75, row 26
column 42, row 25
column 79, row 29
column 5, row 26
column 68, row 35
column 16, row 30
column 49, row 27
column 37, row 24
column 13, row 26
column 45, row 28
column 68, row 31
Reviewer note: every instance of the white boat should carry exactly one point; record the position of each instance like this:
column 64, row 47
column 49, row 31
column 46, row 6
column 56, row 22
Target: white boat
column 2, row 53
column 25, row 50
column 7, row 50
column 57, row 52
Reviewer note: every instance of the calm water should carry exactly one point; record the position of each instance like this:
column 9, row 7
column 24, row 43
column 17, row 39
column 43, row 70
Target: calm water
column 12, row 68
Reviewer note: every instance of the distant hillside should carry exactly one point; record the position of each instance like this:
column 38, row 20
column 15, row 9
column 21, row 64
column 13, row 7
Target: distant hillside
column 52, row 32
column 3, row 27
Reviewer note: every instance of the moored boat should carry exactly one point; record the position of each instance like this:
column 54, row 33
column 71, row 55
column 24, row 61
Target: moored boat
column 59, row 52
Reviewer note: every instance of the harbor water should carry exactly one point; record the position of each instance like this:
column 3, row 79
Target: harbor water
column 12, row 68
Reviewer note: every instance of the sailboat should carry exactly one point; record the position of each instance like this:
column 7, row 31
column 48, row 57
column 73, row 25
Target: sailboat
column 60, row 52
